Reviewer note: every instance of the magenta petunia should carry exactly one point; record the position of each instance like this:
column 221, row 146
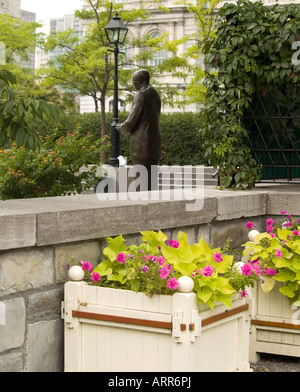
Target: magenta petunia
column 86, row 266
column 207, row 271
column 95, row 277
column 283, row 212
column 244, row 293
column 218, row 257
column 278, row 253
column 269, row 222
column 173, row 243
column 165, row 271
column 295, row 232
column 145, row 268
column 172, row 284
column 249, row 225
column 246, row 269
column 270, row 271
column 121, row 258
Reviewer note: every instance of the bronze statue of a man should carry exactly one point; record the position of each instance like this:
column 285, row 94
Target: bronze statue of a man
column 143, row 124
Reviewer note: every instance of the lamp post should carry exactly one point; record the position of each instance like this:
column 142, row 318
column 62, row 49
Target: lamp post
column 116, row 32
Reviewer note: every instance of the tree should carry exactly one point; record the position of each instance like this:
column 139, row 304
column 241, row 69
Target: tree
column 205, row 12
column 16, row 110
column 18, row 39
column 86, row 65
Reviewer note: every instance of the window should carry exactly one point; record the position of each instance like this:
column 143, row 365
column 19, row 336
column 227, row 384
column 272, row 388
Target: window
column 159, row 55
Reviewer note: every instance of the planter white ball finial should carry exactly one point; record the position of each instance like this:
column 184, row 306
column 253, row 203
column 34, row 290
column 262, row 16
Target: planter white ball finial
column 186, row 284
column 252, row 234
column 76, row 273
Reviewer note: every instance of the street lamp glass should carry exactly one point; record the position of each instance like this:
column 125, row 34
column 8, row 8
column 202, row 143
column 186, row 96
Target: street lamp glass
column 116, row 30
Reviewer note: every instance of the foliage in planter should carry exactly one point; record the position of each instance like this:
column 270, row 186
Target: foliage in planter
column 252, row 53
column 277, row 255
column 52, row 171
column 157, row 264
column 181, row 137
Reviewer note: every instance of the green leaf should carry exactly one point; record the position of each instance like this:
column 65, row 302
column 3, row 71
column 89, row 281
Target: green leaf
column 104, row 268
column 285, row 275
column 288, row 290
column 155, row 239
column 225, row 299
column 115, row 247
column 204, row 293
column 268, row 284
column 135, row 285
column 20, row 136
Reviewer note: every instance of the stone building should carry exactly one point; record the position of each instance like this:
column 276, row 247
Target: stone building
column 11, row 7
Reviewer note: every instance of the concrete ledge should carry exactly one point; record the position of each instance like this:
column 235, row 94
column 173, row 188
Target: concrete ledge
column 59, row 220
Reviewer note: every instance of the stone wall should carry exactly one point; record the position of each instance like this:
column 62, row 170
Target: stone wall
column 38, row 237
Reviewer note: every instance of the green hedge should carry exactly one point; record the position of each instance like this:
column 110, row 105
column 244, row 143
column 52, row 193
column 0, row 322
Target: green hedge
column 182, row 138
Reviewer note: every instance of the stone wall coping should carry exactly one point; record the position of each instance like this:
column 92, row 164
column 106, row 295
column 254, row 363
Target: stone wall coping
column 66, row 219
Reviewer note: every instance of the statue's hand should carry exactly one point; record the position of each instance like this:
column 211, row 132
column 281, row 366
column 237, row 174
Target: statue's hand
column 122, row 129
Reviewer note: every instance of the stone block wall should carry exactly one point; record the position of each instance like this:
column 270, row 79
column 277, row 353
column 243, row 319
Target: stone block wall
column 38, row 238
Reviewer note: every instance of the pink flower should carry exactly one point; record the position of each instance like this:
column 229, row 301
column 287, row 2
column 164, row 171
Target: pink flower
column 270, row 271
column 255, row 267
column 244, row 293
column 95, row 277
column 86, row 265
column 196, row 272
column 249, row 225
column 295, row 232
column 269, row 229
column 165, row 271
column 218, row 257
column 282, row 212
column 172, row 284
column 173, row 243
column 207, row 271
column 246, row 269
column 278, row 253
column 269, row 222
column 161, row 260
column 272, row 235
column 121, row 258
column 144, row 268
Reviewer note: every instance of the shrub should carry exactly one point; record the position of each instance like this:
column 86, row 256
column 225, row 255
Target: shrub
column 182, row 139
column 52, row 171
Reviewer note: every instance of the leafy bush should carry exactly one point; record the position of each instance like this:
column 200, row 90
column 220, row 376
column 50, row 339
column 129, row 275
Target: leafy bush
column 52, row 171
column 250, row 55
column 182, row 140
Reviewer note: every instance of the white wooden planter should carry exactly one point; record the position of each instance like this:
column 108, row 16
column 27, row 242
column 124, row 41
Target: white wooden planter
column 275, row 326
column 109, row 330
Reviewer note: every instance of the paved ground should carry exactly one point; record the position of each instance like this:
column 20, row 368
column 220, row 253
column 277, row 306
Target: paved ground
column 276, row 363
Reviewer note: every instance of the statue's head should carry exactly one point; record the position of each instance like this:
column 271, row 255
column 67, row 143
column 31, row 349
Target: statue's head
column 140, row 78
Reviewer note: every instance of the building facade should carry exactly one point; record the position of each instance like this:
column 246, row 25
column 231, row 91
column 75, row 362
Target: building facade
column 11, row 7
